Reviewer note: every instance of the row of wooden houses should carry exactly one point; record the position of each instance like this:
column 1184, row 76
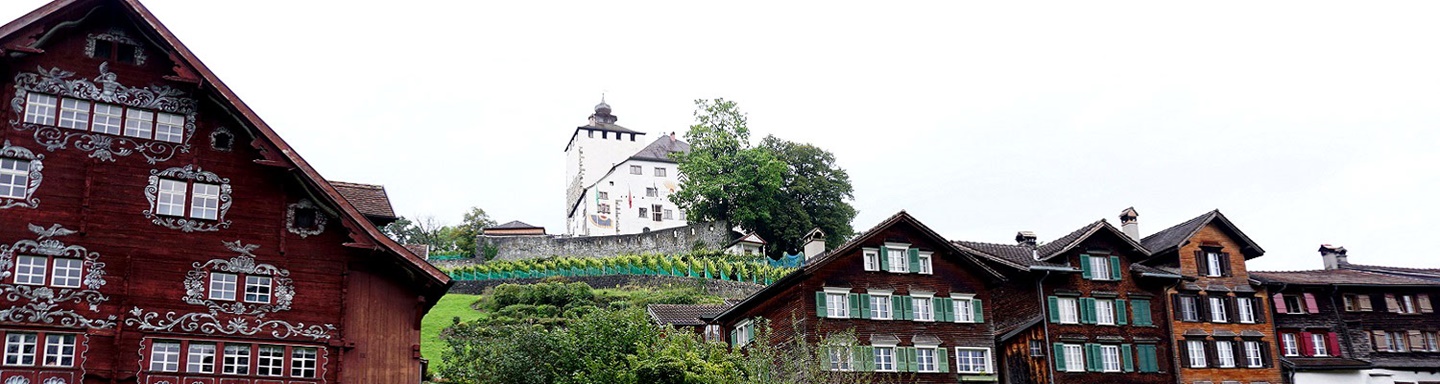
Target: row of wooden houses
column 1100, row 304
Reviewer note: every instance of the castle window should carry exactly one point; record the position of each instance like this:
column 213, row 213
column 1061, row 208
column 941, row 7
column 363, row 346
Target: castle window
column 669, row 214
column 652, row 192
column 602, row 195
column 635, row 170
column 655, row 211
column 659, row 172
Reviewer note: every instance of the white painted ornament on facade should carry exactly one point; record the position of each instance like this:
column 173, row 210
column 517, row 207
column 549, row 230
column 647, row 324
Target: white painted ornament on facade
column 43, row 304
column 33, row 162
column 190, row 173
column 107, row 89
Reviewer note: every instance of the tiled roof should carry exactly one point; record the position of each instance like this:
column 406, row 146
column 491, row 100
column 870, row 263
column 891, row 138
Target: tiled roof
column 1337, row 277
column 1069, row 240
column 611, row 127
column 661, row 149
column 422, row 250
column 1422, row 273
column 1013, row 254
column 517, row 224
column 370, row 200
column 1142, row 268
column 1173, row 236
column 684, row 314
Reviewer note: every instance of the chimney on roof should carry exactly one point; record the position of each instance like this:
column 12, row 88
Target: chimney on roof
column 814, row 243
column 1028, row 239
column 1334, row 256
column 1130, row 223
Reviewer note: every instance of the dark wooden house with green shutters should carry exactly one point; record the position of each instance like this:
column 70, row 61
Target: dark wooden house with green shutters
column 1084, row 312
column 915, row 302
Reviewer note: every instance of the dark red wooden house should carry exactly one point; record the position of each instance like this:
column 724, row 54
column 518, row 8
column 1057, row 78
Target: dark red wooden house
column 154, row 230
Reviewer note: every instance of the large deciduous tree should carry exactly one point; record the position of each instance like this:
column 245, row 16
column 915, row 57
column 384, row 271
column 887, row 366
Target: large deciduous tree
column 779, row 189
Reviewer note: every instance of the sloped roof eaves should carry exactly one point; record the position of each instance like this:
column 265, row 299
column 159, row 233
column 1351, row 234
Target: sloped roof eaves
column 441, row 280
column 1173, row 237
column 1010, row 332
column 515, row 224
column 683, row 314
column 660, row 150
column 371, row 200
column 1013, row 256
column 1343, row 277
column 830, row 256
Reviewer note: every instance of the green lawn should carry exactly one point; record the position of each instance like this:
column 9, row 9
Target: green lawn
column 441, row 316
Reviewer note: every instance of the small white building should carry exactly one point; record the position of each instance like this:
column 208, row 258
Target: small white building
column 748, row 244
column 618, row 184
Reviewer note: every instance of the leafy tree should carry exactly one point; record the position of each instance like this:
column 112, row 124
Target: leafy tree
column 402, row 230
column 475, row 222
column 441, row 238
column 779, row 189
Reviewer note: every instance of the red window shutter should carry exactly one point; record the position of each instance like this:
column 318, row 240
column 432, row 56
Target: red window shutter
column 1279, row 303
column 1310, row 303
column 1307, row 346
column 1334, row 340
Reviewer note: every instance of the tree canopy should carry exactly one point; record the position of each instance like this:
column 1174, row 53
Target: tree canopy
column 441, row 238
column 778, row 189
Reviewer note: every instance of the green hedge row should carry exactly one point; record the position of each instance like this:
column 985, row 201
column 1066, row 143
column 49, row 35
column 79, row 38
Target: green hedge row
column 644, row 265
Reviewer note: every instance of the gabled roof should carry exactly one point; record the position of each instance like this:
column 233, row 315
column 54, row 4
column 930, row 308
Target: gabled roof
column 748, row 237
column 1172, row 238
column 1347, row 277
column 1074, row 239
column 371, row 200
column 684, row 314
column 432, row 282
column 966, row 257
column 516, row 224
column 1023, row 257
column 661, row 148
column 1013, row 256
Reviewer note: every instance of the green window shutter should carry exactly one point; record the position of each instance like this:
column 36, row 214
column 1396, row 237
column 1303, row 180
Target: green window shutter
column 1059, row 357
column 941, row 360
column 820, row 303
column 912, row 354
column 858, row 358
column 1148, row 361
column 897, row 308
column 1122, row 316
column 1085, row 267
column 732, row 338
column 1115, row 268
column 909, row 303
column 854, row 305
column 914, row 260
column 979, row 309
column 938, row 304
column 1141, row 308
column 884, row 259
column 750, row 332
column 1093, row 354
column 1087, row 311
column 1054, row 309
column 1126, row 359
column 864, row 306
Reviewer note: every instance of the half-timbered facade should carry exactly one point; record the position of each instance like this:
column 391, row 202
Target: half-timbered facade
column 1085, row 312
column 154, row 230
column 1220, row 330
column 916, row 303
column 1343, row 325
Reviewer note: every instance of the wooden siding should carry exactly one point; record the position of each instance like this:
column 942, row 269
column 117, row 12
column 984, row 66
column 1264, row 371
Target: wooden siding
column 146, row 264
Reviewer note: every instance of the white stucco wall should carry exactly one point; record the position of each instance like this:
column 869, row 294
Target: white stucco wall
column 1368, row 376
column 626, row 195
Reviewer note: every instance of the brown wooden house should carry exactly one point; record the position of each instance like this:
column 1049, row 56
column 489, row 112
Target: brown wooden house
column 1084, row 311
column 918, row 306
column 153, row 229
column 1220, row 329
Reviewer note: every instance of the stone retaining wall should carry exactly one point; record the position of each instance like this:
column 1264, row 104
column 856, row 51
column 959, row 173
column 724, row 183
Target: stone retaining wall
column 722, row 288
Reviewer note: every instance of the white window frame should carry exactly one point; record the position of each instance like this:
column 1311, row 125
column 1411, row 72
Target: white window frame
column 1218, row 314
column 987, row 359
column 669, row 214
column 1290, row 344
column 660, row 172
column 41, row 108
column 165, row 356
column 1074, row 357
column 833, row 311
column 74, row 114
column 1100, row 268
column 170, row 197
column 926, row 266
column 19, row 184
column 1254, row 358
column 1104, row 312
column 1212, row 264
column 885, row 358
column 1197, row 354
column 1407, row 304
column 899, row 257
column 1189, row 304
column 205, row 201
column 169, row 127
column 21, row 348
column 964, row 308
column 842, row 359
column 872, row 258
column 59, row 350
column 1069, row 310
column 108, row 119
column 259, row 283
column 1246, row 308
column 67, row 275
column 1109, row 358
column 1431, row 344
column 652, row 192
column 880, row 306
column 236, row 359
column 219, row 288
column 270, row 360
column 139, row 123
column 200, row 358
column 921, row 363
column 303, row 361
column 636, row 170
column 28, row 272
column 742, row 333
column 1399, row 341
column 1225, row 353
column 928, row 300
column 1320, row 346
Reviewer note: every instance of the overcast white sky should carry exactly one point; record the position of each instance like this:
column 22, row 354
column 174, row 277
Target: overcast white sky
column 1305, row 123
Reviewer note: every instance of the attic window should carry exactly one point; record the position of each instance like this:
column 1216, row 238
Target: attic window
column 115, row 46
column 222, row 140
column 305, row 219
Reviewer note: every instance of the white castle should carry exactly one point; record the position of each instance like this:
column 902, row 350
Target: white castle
column 617, row 183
